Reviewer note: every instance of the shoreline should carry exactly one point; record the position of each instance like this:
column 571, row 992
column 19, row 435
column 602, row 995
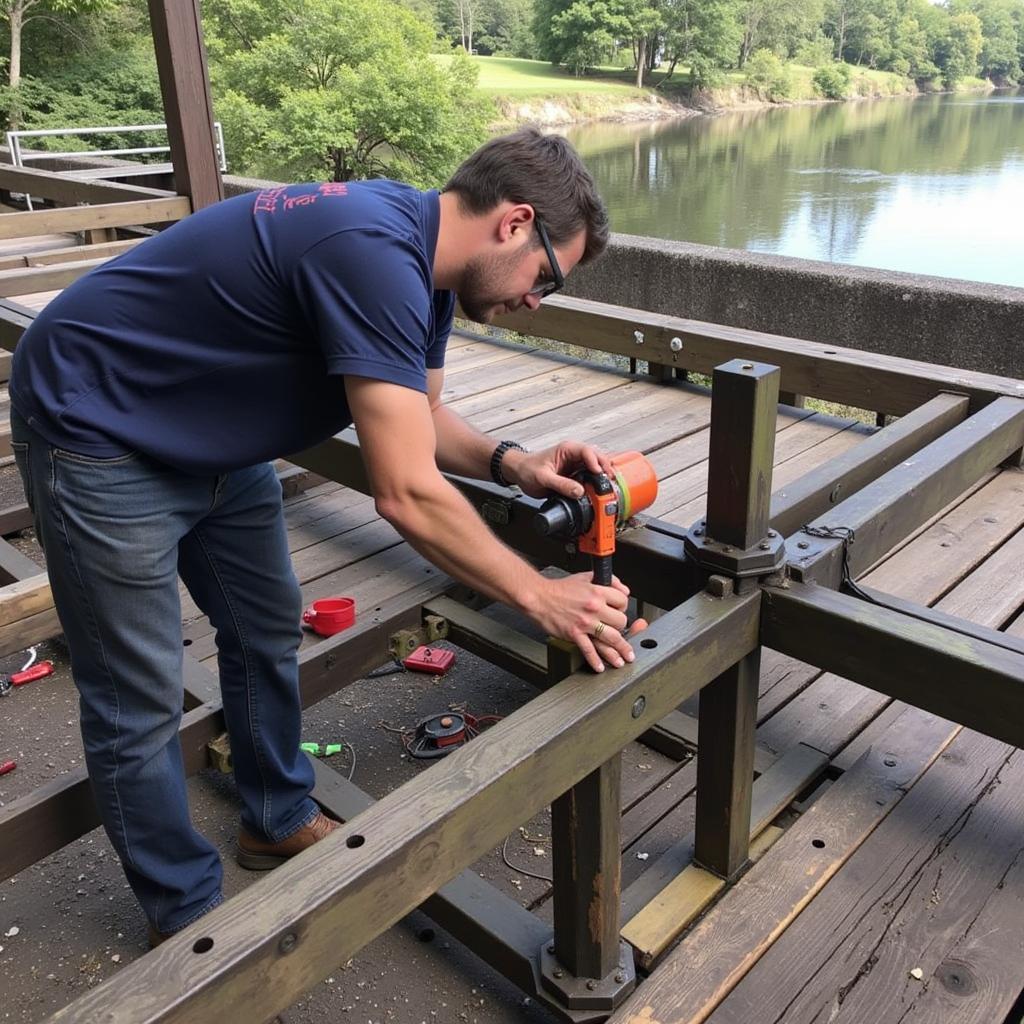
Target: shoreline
column 572, row 109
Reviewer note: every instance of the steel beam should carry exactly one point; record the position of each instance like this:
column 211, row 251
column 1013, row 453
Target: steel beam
column 951, row 674
column 254, row 955
column 888, row 510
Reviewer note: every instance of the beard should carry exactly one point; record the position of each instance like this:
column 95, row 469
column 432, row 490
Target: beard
column 483, row 289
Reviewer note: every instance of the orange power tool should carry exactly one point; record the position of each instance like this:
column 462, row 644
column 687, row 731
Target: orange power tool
column 606, row 505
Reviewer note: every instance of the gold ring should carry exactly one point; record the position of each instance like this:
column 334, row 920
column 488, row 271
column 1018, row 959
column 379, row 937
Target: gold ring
column 598, row 630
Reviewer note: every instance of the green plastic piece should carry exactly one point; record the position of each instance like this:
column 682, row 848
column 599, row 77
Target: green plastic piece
column 333, row 748
column 310, row 748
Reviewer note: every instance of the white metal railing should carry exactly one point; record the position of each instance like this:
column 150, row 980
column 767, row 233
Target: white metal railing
column 18, row 156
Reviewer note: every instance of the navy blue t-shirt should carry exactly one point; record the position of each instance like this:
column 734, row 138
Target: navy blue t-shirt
column 224, row 340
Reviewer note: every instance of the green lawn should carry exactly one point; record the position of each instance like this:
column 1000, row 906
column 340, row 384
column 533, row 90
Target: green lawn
column 510, row 76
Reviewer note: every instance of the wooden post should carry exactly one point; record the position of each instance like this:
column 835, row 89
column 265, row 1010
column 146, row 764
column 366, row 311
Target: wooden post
column 185, row 85
column 587, row 872
column 744, row 405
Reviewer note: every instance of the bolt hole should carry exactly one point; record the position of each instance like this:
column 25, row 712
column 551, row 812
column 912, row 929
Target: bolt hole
column 187, row 643
column 425, row 935
column 649, row 644
column 818, row 844
column 354, row 842
column 203, row 945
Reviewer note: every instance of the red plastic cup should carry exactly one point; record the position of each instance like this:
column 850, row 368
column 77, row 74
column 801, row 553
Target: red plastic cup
column 330, row 615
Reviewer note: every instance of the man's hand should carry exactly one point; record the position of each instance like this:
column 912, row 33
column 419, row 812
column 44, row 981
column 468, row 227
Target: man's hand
column 593, row 617
column 540, row 473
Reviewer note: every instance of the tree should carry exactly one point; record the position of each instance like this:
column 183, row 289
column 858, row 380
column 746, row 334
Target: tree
column 999, row 43
column 958, row 50
column 702, row 34
column 18, row 14
column 343, row 89
column 584, row 33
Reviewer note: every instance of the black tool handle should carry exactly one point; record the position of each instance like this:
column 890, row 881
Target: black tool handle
column 602, row 565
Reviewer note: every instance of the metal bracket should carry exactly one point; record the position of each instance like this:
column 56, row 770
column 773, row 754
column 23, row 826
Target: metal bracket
column 760, row 560
column 403, row 642
column 587, row 993
column 497, row 511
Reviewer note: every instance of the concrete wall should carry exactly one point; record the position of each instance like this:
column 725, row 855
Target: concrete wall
column 934, row 319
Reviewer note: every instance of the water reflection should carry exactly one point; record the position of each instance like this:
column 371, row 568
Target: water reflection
column 933, row 185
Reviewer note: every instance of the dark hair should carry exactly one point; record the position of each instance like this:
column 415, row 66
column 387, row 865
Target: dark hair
column 542, row 170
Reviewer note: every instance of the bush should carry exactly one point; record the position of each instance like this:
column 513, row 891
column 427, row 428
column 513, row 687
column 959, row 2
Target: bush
column 832, row 80
column 768, row 76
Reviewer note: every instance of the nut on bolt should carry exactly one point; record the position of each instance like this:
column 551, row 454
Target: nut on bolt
column 676, row 344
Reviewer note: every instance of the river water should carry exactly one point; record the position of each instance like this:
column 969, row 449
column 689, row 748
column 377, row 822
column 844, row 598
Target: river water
column 931, row 185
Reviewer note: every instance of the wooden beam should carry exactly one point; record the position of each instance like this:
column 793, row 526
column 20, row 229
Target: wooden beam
column 587, row 872
column 67, row 254
column 59, row 187
column 744, row 408
column 44, row 279
column 816, row 492
column 263, row 949
column 886, row 511
column 14, row 566
column 866, row 380
column 78, row 218
column 948, row 673
column 188, row 108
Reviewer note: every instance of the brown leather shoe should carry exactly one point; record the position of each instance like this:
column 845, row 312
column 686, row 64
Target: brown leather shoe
column 262, row 855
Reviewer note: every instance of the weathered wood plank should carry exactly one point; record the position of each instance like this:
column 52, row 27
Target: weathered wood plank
column 808, row 496
column 67, row 254
column 78, row 218
column 911, row 898
column 14, row 565
column 38, row 279
column 866, row 380
column 957, row 676
column 738, row 930
column 928, row 570
column 61, row 187
column 886, row 511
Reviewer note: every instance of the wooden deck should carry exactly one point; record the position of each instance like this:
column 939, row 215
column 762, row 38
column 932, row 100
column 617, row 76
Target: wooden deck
column 894, row 890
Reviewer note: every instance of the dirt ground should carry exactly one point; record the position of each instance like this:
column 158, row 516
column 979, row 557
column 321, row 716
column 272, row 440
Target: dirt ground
column 70, row 921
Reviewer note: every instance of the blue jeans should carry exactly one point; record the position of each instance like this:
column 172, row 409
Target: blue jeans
column 117, row 533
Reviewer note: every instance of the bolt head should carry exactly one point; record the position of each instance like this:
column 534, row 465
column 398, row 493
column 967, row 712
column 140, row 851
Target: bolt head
column 558, row 972
column 620, row 976
column 802, row 544
column 638, row 706
column 591, row 984
column 764, row 545
column 551, row 947
column 287, row 943
column 676, row 344
column 698, row 532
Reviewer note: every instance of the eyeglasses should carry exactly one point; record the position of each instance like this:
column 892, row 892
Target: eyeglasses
column 546, row 288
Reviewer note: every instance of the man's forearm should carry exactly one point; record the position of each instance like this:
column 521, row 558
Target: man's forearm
column 441, row 524
column 463, row 450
